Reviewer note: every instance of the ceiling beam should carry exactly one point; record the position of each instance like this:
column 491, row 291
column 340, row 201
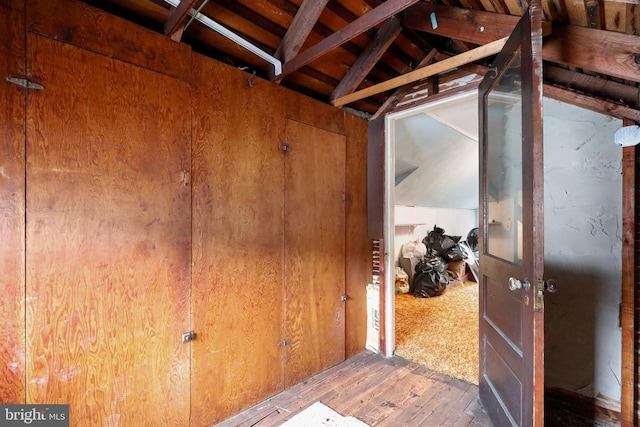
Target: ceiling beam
column 368, row 58
column 177, row 17
column 592, row 85
column 472, row 26
column 403, row 91
column 606, row 52
column 591, row 103
column 300, row 27
column 430, row 70
column 352, row 30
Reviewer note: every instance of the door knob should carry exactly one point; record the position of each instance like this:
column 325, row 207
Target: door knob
column 515, row 284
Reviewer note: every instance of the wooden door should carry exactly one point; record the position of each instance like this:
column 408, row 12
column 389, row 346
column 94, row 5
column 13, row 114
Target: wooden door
column 12, row 123
column 314, row 248
column 237, row 242
column 108, row 238
column 511, row 231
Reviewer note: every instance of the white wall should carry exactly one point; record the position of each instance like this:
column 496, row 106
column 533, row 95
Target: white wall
column 583, row 245
column 455, row 222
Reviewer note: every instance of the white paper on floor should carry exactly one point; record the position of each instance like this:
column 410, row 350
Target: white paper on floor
column 320, row 415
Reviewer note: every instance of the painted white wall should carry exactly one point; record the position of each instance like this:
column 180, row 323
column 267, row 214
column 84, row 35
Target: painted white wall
column 583, row 246
column 455, row 222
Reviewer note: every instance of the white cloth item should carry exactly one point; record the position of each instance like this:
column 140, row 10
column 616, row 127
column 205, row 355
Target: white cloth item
column 320, row 415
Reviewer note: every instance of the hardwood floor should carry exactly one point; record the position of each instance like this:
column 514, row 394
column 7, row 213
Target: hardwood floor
column 379, row 391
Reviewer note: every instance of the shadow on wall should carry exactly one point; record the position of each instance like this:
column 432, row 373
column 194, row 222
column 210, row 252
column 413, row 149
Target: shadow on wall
column 581, row 340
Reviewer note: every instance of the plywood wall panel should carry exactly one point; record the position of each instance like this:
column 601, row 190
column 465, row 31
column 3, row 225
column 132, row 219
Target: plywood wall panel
column 108, row 232
column 358, row 246
column 12, row 61
column 314, row 247
column 82, row 25
column 238, row 241
column 315, row 113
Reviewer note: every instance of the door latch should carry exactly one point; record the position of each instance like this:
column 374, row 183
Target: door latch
column 188, row 336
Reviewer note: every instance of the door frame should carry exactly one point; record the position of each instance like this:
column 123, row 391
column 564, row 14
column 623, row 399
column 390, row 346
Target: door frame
column 387, row 301
column 629, row 305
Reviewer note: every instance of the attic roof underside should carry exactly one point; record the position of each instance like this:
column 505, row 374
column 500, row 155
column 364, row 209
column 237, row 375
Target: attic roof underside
column 333, row 49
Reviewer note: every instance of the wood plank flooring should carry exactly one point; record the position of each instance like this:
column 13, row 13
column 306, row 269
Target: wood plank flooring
column 379, row 391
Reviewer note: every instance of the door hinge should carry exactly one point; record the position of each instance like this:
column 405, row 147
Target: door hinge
column 28, row 84
column 283, row 343
column 188, row 336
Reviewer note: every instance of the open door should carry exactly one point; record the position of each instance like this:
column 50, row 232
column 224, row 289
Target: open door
column 511, row 230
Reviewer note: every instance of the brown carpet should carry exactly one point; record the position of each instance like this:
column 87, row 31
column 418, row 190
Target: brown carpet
column 442, row 332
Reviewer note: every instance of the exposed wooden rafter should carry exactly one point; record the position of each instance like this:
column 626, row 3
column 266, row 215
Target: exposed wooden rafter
column 354, row 29
column 177, row 17
column 433, row 69
column 591, row 103
column 369, row 57
column 300, row 27
column 606, row 52
column 402, row 91
column 467, row 25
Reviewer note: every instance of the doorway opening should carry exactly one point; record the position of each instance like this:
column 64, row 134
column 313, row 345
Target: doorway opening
column 582, row 238
column 435, row 189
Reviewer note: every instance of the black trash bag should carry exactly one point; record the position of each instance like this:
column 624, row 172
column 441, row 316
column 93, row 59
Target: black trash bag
column 428, row 284
column 472, row 239
column 443, row 245
column 433, row 262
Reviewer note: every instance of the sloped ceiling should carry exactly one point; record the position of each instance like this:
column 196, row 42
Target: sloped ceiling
column 436, row 156
column 350, row 53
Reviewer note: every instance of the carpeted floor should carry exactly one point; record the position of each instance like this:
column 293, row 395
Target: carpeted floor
column 442, row 332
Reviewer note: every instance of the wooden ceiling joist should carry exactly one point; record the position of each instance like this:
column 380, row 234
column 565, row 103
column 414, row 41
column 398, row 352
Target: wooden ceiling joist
column 352, row 30
column 300, row 27
column 605, row 52
column 369, row 57
column 402, row 91
column 176, row 20
column 433, row 69
column 591, row 103
column 472, row 26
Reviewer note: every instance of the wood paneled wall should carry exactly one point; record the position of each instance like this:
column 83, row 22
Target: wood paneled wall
column 234, row 128
column 238, row 202
column 12, row 204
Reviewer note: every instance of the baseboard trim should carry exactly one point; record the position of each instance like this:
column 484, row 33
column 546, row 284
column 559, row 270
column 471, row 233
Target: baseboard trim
column 584, row 406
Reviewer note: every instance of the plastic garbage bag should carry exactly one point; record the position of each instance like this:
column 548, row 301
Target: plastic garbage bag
column 429, row 284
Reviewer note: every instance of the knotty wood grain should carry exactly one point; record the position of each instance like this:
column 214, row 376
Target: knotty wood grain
column 108, row 258
column 12, row 208
column 82, row 25
column 238, row 241
column 358, row 245
column 314, row 245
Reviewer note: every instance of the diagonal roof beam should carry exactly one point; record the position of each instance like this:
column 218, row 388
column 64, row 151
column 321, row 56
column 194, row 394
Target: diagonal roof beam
column 300, row 27
column 369, row 57
column 430, row 70
column 177, row 17
column 403, row 91
column 605, row 52
column 354, row 29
